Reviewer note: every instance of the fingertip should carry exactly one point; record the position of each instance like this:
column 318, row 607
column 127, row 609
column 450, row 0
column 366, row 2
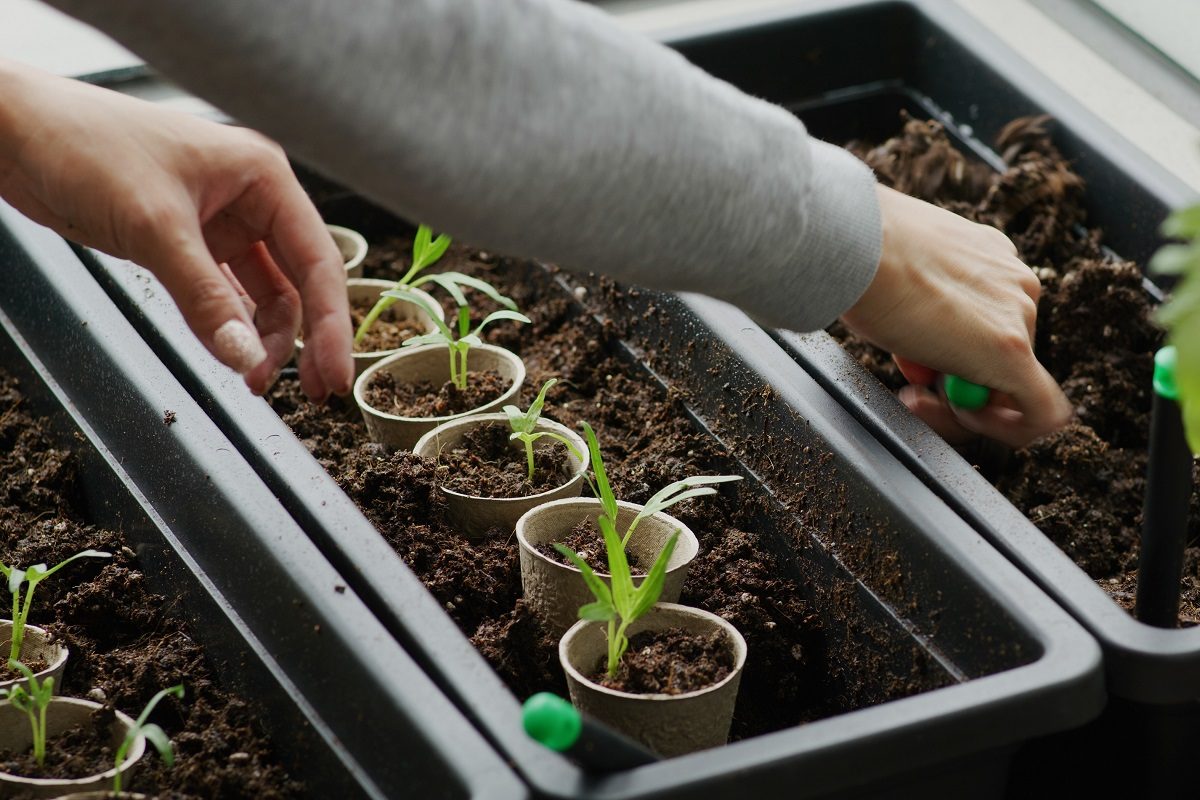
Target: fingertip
column 237, row 346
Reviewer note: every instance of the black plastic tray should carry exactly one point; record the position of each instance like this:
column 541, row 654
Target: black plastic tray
column 1019, row 666
column 969, row 81
column 348, row 710
column 929, row 57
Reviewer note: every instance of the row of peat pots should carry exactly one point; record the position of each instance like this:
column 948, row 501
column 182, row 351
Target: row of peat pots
column 191, row 580
column 888, row 649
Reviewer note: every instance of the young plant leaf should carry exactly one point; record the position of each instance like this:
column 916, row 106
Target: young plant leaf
column 652, row 585
column 598, row 587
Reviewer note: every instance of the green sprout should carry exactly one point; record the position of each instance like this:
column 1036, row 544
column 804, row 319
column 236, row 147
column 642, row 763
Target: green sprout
column 32, row 576
column 524, row 427
column 623, row 603
column 154, row 734
column 426, row 252
column 1181, row 315
column 459, row 345
column 33, row 701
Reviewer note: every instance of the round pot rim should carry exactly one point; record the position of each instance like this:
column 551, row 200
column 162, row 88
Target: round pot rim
column 493, row 416
column 375, row 354
column 136, row 751
column 63, row 651
column 360, row 244
column 524, row 544
column 739, row 653
column 406, row 352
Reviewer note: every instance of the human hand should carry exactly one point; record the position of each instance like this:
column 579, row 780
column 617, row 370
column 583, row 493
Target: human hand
column 953, row 296
column 184, row 197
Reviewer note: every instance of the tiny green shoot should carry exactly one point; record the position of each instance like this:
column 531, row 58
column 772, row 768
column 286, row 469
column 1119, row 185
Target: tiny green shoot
column 524, row 427
column 427, row 250
column 1181, row 315
column 459, row 345
column 33, row 701
column 623, row 603
column 31, row 577
column 153, row 733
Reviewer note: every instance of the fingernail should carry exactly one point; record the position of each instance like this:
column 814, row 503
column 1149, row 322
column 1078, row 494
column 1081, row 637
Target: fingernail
column 238, row 346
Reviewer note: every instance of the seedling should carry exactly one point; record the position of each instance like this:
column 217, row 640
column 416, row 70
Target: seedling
column 623, row 603
column 524, row 427
column 33, row 701
column 459, row 345
column 1181, row 316
column 154, row 734
column 21, row 605
column 426, row 252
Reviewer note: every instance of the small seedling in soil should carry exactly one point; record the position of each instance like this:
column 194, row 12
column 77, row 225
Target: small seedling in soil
column 21, row 605
column 624, row 603
column 154, row 734
column 524, row 427
column 1181, row 315
column 459, row 345
column 426, row 252
column 32, row 701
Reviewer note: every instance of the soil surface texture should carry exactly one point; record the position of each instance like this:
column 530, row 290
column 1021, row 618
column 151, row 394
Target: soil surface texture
column 588, row 543
column 384, row 333
column 813, row 650
column 1082, row 486
column 487, row 464
column 126, row 641
column 672, row 661
column 423, row 399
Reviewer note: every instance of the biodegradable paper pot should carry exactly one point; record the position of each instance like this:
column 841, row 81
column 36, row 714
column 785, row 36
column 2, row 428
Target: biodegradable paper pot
column 670, row 725
column 39, row 644
column 431, row 363
column 555, row 591
column 353, row 248
column 472, row 515
column 62, row 714
column 370, row 289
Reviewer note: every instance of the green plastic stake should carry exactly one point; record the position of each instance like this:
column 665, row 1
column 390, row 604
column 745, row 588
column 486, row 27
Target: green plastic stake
column 552, row 721
column 1164, row 372
column 964, row 394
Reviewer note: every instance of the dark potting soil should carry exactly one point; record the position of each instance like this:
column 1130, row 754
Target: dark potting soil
column 77, row 753
column 8, row 674
column 671, row 661
column 384, row 334
column 814, row 651
column 126, row 642
column 423, row 399
column 1082, row 486
column 588, row 543
column 487, row 464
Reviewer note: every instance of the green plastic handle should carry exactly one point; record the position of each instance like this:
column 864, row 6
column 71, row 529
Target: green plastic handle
column 964, row 394
column 552, row 721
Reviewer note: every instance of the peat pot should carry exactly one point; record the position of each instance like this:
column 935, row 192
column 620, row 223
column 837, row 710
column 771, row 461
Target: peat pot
column 472, row 515
column 39, row 645
column 555, row 591
column 432, row 363
column 366, row 289
column 62, row 714
column 352, row 246
column 670, row 725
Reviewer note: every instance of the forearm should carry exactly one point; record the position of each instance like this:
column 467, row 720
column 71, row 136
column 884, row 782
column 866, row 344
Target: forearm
column 535, row 127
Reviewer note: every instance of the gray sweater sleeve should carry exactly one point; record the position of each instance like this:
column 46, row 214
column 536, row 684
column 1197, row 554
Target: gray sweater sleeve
column 538, row 128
